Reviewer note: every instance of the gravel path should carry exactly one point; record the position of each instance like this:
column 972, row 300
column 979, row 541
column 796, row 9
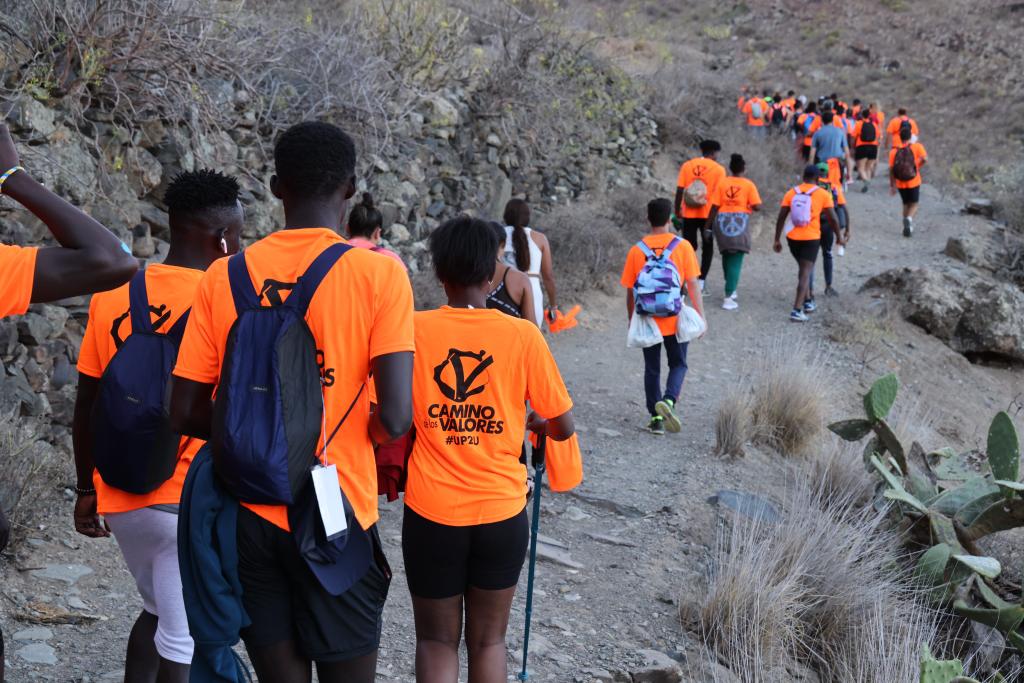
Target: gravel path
column 634, row 540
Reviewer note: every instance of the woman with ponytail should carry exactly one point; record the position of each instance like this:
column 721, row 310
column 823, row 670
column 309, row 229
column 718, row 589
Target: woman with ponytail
column 365, row 225
column 732, row 202
column 529, row 251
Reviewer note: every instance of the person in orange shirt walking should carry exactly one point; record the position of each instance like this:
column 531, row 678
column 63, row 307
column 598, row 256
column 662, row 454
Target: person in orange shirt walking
column 465, row 529
column 735, row 199
column 892, row 130
column 89, row 259
column 905, row 162
column 312, row 605
column 756, row 111
column 866, row 139
column 800, row 216
column 654, row 246
column 206, row 220
column 697, row 182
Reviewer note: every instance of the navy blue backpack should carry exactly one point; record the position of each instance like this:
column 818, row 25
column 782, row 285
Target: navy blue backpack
column 134, row 447
column 269, row 409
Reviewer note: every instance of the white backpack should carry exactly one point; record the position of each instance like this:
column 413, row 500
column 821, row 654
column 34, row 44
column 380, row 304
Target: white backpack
column 800, row 208
column 755, row 109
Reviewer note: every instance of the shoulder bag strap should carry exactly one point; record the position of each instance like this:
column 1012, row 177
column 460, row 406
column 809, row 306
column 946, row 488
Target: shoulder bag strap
column 138, row 303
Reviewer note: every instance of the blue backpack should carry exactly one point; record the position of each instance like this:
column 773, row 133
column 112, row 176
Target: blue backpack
column 134, row 447
column 269, row 409
column 658, row 290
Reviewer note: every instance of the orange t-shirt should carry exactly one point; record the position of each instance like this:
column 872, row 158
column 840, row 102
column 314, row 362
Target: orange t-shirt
column 701, row 168
column 171, row 290
column 475, row 370
column 820, row 200
column 748, row 109
column 857, row 142
column 893, row 129
column 17, row 273
column 741, row 101
column 815, row 125
column 919, row 155
column 789, row 103
column 362, row 310
column 735, row 195
column 684, row 258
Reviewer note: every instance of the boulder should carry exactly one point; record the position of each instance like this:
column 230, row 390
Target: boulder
column 980, row 206
column 66, row 167
column 143, row 170
column 32, row 115
column 658, row 667
column 976, row 315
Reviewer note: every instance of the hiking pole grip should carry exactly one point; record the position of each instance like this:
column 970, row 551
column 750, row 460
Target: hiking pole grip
column 538, row 485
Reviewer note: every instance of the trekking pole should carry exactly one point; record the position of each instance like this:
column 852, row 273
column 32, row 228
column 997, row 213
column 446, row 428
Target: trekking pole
column 538, row 485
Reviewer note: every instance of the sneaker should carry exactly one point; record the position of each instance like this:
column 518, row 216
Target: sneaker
column 701, row 282
column 830, row 291
column 810, row 306
column 666, row 411
column 908, row 227
column 798, row 316
column 864, row 189
column 656, row 425
column 730, row 304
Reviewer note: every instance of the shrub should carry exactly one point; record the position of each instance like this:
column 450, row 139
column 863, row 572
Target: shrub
column 25, row 463
column 789, row 400
column 734, row 424
column 821, row 586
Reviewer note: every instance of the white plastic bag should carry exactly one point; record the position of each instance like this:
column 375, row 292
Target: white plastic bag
column 691, row 325
column 643, row 332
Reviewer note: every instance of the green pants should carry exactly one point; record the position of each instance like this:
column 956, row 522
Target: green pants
column 732, row 264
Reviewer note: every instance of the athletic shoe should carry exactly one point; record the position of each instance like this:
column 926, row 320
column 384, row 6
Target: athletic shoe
column 830, row 291
column 865, row 188
column 701, row 282
column 798, row 316
column 657, row 425
column 730, row 304
column 665, row 410
column 810, row 306
column 908, row 227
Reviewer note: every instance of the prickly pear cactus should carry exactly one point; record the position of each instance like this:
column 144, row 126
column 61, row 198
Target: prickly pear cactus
column 878, row 401
column 939, row 671
column 1004, row 452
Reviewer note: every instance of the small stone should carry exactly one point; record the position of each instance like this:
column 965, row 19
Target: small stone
column 747, row 504
column 38, row 653
column 557, row 556
column 435, row 209
column 612, row 540
column 493, row 140
column 381, row 165
column 68, row 573
column 31, row 634
column 575, row 514
column 980, row 206
column 75, row 602
column 610, row 433
column 658, row 668
column 398, row 233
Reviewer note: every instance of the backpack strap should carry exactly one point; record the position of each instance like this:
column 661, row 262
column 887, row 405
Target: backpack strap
column 314, row 275
column 667, row 251
column 177, row 331
column 647, row 251
column 138, row 303
column 242, row 291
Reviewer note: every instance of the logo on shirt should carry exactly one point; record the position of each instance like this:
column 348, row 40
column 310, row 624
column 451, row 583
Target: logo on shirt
column 162, row 314
column 698, row 170
column 270, row 293
column 732, row 192
column 461, row 376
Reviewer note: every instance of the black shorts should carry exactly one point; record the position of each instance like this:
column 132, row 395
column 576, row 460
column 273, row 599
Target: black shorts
column 285, row 600
column 865, row 152
column 804, row 250
column 805, row 151
column 911, row 195
column 442, row 561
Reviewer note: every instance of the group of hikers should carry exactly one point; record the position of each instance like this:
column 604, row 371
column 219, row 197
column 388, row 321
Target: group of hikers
column 239, row 411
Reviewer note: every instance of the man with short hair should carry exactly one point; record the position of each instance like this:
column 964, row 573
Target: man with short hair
column 661, row 404
column 905, row 162
column 892, row 130
column 205, row 218
column 830, row 142
column 306, row 607
column 693, row 200
column 803, row 208
column 756, row 110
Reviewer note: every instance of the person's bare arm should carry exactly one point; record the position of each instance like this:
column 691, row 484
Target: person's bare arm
column 547, row 269
column 693, row 291
column 629, row 304
column 392, row 374
column 830, row 215
column 523, row 294
column 90, row 258
column 87, row 521
column 556, row 428
column 755, row 207
column 709, row 224
column 780, row 223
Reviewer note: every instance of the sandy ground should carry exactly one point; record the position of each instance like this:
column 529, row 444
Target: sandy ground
column 635, row 539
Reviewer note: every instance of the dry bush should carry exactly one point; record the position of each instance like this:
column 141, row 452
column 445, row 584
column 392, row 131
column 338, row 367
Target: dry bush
column 822, row 587
column 788, row 399
column 25, row 463
column 838, row 474
column 734, row 424
column 590, row 239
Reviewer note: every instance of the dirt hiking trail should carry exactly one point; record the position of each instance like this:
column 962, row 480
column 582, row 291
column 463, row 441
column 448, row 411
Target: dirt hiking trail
column 623, row 551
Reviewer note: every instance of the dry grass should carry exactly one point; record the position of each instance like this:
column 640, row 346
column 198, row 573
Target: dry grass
column 838, row 474
column 734, row 424
column 788, row 400
column 824, row 587
column 25, row 463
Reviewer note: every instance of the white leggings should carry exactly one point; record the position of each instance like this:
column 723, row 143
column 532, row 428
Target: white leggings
column 148, row 540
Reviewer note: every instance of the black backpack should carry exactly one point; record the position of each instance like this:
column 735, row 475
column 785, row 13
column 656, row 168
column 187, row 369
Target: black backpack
column 778, row 115
column 134, row 447
column 868, row 132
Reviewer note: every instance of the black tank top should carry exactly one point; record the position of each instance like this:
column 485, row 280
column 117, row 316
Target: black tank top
column 500, row 299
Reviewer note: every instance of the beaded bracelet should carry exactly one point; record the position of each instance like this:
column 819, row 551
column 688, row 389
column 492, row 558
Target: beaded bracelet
column 7, row 174
column 84, row 492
